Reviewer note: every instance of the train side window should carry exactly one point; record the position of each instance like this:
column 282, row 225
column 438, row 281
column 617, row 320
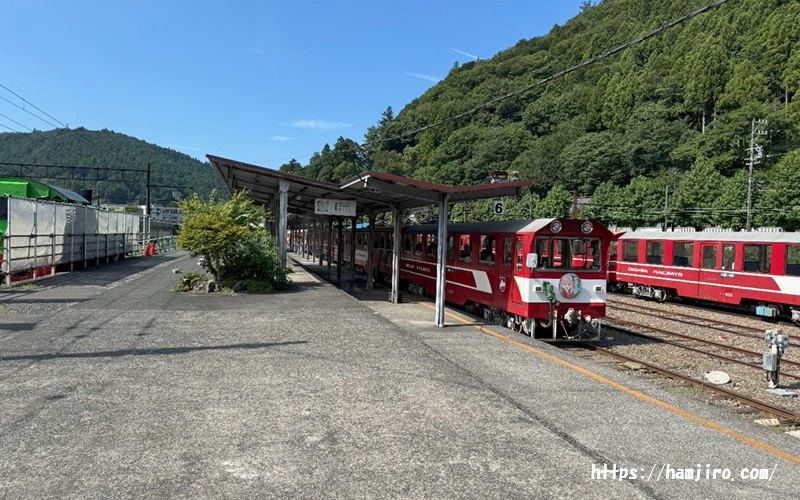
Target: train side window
column 431, row 251
column 727, row 257
column 756, row 258
column 654, row 252
column 792, row 260
column 507, row 251
column 682, row 253
column 407, row 244
column 419, row 244
column 487, row 250
column 709, row 256
column 518, row 251
column 630, row 251
column 450, row 246
column 465, row 252
column 612, row 251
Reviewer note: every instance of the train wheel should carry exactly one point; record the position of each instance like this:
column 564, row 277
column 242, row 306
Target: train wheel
column 660, row 294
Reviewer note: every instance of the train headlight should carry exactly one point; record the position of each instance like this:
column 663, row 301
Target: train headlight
column 555, row 226
column 587, row 227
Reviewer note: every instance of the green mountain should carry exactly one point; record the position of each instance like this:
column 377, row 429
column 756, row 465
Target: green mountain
column 111, row 164
column 659, row 131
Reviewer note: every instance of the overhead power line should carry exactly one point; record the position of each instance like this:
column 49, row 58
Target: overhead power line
column 63, row 125
column 18, row 123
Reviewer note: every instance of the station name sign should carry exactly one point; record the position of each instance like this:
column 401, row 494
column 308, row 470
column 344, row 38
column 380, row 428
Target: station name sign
column 327, row 206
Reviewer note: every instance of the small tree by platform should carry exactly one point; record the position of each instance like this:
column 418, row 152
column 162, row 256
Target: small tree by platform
column 230, row 237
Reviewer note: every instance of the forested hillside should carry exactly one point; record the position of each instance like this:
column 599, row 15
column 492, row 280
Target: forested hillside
column 660, row 131
column 101, row 157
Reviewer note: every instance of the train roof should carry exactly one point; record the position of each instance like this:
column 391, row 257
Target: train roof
column 504, row 226
column 756, row 237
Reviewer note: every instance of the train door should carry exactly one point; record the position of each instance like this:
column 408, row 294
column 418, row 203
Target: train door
column 519, row 271
column 506, row 253
column 708, row 277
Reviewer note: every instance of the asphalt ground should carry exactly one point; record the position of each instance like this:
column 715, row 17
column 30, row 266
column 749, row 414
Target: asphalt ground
column 112, row 385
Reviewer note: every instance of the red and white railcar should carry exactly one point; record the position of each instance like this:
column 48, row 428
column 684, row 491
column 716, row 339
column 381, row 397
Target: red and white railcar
column 757, row 270
column 545, row 274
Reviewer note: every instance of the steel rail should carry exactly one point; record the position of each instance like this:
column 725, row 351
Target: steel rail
column 766, row 407
column 691, row 320
column 696, row 339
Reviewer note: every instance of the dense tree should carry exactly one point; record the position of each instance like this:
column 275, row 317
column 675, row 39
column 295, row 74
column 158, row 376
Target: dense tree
column 557, row 203
column 110, row 164
column 696, row 192
column 292, row 167
column 779, row 203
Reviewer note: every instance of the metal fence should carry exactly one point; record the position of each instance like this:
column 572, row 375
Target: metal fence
column 40, row 236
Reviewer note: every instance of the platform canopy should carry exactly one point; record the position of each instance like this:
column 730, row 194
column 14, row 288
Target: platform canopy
column 373, row 191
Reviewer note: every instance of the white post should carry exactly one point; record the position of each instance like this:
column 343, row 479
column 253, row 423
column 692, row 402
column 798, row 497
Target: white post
column 283, row 218
column 395, row 297
column 441, row 256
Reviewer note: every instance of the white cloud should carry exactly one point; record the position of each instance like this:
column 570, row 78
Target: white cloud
column 430, row 78
column 255, row 50
column 320, row 124
column 281, row 138
column 464, row 53
column 178, row 146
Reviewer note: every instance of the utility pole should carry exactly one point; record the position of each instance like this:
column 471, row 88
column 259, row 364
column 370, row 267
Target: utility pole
column 147, row 190
column 754, row 157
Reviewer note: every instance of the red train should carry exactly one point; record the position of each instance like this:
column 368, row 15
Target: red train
column 546, row 274
column 756, row 270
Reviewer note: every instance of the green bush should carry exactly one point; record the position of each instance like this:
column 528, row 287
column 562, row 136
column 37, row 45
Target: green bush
column 254, row 257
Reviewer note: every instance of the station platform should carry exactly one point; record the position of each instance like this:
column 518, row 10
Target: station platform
column 122, row 387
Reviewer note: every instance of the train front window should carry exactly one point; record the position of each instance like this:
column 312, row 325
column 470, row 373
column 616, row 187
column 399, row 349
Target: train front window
column 568, row 253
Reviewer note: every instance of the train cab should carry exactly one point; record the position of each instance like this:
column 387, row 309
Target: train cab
column 546, row 274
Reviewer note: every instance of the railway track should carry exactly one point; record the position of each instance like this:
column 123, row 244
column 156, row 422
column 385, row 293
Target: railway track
column 714, row 324
column 739, row 350
column 751, row 402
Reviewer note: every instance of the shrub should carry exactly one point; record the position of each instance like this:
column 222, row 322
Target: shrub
column 254, row 257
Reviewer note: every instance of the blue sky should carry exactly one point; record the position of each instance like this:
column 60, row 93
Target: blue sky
column 257, row 81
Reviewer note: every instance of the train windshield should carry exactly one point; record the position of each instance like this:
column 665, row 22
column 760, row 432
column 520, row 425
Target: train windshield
column 568, row 253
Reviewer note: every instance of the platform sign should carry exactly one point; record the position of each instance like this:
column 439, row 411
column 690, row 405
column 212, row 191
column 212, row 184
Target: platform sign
column 498, row 206
column 327, row 206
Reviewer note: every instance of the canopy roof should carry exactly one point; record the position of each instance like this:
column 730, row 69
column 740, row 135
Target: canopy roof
column 373, row 191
